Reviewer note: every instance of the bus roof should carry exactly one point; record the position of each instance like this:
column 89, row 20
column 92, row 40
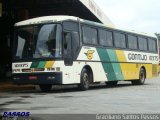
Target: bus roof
column 59, row 18
column 45, row 19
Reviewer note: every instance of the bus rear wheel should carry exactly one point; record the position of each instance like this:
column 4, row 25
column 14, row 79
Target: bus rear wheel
column 85, row 80
column 45, row 88
column 142, row 78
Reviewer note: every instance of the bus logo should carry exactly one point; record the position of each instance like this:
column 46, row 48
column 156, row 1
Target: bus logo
column 89, row 54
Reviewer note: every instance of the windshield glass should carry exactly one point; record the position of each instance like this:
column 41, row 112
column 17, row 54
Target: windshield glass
column 39, row 41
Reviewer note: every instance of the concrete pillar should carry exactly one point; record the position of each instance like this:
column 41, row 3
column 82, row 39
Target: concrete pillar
column 0, row 8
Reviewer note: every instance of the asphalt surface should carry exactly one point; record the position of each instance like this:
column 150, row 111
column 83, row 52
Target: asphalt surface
column 125, row 98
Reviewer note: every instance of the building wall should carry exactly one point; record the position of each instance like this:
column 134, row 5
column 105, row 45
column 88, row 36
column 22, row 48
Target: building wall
column 6, row 34
column 0, row 8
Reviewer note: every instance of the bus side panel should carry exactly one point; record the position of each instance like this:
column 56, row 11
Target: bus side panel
column 140, row 59
column 148, row 68
column 118, row 64
column 110, row 64
column 98, row 71
column 155, row 70
column 129, row 70
column 89, row 56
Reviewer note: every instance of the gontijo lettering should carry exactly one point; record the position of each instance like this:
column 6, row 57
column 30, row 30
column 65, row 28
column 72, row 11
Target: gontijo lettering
column 132, row 56
column 143, row 57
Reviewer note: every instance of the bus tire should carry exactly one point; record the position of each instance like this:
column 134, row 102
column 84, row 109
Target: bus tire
column 45, row 88
column 85, row 80
column 142, row 78
column 111, row 83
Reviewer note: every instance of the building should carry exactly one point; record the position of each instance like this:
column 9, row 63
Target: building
column 12, row 11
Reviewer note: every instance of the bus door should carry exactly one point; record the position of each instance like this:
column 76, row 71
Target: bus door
column 71, row 47
column 67, row 49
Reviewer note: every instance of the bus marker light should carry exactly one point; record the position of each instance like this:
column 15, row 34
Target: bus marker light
column 33, row 77
column 51, row 78
column 16, row 78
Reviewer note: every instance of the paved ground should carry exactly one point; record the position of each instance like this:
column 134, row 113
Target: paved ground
column 124, row 98
column 9, row 86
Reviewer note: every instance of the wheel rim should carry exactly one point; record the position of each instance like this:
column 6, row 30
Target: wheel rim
column 86, row 80
column 142, row 77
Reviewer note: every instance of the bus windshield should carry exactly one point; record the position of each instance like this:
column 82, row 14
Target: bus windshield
column 38, row 41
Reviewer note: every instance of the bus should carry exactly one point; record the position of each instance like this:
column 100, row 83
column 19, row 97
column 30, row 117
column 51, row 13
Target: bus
column 66, row 50
column 159, row 58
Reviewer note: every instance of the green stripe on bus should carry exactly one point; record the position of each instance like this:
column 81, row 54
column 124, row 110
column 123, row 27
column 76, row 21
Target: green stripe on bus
column 108, row 68
column 116, row 66
column 118, row 71
column 34, row 64
column 41, row 64
column 113, row 70
column 112, row 55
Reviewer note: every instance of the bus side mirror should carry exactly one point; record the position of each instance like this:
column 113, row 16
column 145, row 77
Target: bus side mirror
column 67, row 49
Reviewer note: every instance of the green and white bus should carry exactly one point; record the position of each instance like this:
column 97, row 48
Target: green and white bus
column 63, row 50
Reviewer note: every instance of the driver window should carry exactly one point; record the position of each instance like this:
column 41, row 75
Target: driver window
column 67, row 42
column 51, row 43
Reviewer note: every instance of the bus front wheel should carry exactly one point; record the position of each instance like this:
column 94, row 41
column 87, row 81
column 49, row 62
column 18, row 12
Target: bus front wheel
column 85, row 80
column 142, row 78
column 45, row 88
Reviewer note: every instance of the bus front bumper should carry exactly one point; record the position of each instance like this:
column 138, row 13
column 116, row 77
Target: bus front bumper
column 38, row 78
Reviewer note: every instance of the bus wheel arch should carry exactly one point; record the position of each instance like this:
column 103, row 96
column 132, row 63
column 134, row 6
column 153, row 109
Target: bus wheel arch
column 144, row 71
column 142, row 77
column 86, row 78
column 89, row 69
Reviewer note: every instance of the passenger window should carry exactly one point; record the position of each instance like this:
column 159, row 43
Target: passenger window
column 152, row 45
column 89, row 35
column 119, row 40
column 132, row 42
column 142, row 43
column 106, row 38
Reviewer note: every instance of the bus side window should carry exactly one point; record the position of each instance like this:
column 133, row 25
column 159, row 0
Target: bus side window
column 119, row 40
column 142, row 43
column 132, row 42
column 152, row 45
column 105, row 38
column 90, row 35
